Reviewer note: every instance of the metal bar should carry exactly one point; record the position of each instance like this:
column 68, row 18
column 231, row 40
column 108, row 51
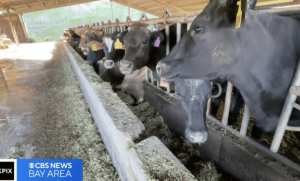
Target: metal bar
column 178, row 32
column 227, row 104
column 151, row 77
column 292, row 128
column 245, row 121
column 189, row 26
column 255, row 144
column 297, row 106
column 125, row 163
column 167, row 29
column 147, row 75
column 285, row 114
column 208, row 107
column 12, row 28
column 295, row 90
column 157, row 27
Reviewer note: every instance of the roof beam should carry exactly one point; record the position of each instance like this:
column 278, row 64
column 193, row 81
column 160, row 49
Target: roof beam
column 124, row 2
column 45, row 7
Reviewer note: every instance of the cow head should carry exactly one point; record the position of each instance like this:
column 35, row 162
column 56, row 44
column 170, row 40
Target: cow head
column 210, row 46
column 112, row 54
column 194, row 94
column 138, row 42
column 92, row 35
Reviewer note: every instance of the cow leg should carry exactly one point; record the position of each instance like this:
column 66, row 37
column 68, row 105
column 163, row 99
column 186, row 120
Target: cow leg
column 256, row 132
column 236, row 106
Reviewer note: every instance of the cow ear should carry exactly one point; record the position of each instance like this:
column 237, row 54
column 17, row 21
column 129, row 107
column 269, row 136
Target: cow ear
column 234, row 11
column 121, row 35
column 156, row 38
column 251, row 4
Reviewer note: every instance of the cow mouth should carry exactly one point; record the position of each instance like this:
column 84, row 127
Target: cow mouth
column 170, row 79
column 126, row 67
column 109, row 64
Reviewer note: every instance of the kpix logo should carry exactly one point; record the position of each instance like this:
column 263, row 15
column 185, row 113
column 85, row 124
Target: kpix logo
column 7, row 170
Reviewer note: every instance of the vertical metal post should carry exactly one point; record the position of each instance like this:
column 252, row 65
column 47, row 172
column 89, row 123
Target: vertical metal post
column 167, row 28
column 178, row 32
column 157, row 27
column 189, row 26
column 151, row 77
column 285, row 114
column 245, row 121
column 208, row 106
column 147, row 75
column 12, row 28
column 227, row 103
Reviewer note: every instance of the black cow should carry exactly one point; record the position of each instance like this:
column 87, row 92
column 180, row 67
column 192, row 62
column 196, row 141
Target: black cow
column 112, row 55
column 130, row 83
column 145, row 48
column 74, row 37
column 95, row 52
column 259, row 58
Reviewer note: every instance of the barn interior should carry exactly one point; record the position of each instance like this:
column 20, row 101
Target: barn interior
column 50, row 99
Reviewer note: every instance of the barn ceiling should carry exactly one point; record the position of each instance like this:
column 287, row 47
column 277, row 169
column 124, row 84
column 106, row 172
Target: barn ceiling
column 154, row 7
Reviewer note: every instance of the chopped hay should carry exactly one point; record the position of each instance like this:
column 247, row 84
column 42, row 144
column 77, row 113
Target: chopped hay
column 183, row 150
column 73, row 133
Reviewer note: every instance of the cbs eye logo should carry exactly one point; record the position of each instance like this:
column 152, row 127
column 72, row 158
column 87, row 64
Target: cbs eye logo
column 31, row 165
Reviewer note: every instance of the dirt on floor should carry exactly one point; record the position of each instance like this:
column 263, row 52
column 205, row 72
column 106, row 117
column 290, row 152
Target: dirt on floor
column 201, row 167
column 61, row 127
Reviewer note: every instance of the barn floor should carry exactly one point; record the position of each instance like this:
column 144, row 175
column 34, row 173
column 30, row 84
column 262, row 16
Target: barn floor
column 43, row 113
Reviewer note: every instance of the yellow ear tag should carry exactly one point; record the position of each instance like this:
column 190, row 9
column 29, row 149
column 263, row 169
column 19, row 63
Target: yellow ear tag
column 94, row 48
column 83, row 36
column 118, row 44
column 239, row 14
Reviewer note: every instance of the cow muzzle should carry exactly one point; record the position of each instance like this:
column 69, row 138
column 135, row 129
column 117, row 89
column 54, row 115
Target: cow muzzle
column 126, row 67
column 196, row 136
column 109, row 64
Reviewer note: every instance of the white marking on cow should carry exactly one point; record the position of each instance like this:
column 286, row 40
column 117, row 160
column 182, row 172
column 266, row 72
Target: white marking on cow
column 109, row 43
column 196, row 137
column 193, row 84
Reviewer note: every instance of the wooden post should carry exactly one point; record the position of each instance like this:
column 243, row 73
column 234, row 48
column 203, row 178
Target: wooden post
column 23, row 26
column 12, row 28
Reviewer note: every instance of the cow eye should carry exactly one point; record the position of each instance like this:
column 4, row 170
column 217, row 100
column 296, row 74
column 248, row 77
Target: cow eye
column 198, row 30
column 144, row 42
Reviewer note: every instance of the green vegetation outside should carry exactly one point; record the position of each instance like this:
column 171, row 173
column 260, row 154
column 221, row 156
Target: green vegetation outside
column 50, row 24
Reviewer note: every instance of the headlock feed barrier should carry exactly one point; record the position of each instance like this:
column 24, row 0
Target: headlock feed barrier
column 155, row 24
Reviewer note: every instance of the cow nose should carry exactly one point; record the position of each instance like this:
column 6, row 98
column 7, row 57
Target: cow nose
column 125, row 63
column 109, row 63
column 196, row 136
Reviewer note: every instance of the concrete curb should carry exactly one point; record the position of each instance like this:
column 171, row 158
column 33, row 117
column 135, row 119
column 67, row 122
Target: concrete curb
column 127, row 166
